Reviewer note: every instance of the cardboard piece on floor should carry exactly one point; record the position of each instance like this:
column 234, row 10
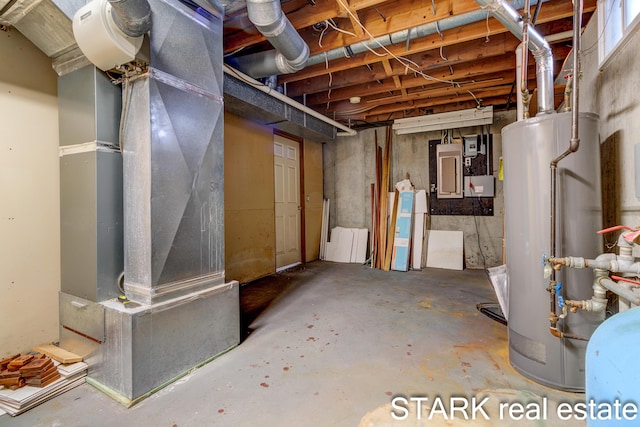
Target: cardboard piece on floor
column 445, row 249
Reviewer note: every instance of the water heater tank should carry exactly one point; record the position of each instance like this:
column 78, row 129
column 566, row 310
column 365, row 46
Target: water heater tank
column 612, row 375
column 528, row 148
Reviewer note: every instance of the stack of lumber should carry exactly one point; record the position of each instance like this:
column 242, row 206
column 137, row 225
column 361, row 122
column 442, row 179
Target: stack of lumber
column 382, row 233
column 40, row 371
column 40, row 379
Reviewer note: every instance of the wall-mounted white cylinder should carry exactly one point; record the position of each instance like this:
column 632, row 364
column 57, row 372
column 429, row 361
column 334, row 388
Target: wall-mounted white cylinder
column 100, row 39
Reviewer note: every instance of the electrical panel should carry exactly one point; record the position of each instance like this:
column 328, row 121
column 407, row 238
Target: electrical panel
column 471, row 161
column 449, row 165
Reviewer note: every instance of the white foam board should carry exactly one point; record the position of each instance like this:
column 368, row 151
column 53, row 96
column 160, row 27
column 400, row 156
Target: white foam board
column 418, row 241
column 445, row 249
column 421, row 202
column 361, row 238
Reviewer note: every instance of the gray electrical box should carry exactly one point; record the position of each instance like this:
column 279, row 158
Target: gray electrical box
column 479, row 186
column 471, row 146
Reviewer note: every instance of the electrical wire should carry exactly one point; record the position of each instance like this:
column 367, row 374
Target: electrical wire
column 402, row 60
column 475, row 220
column 127, row 89
column 333, row 25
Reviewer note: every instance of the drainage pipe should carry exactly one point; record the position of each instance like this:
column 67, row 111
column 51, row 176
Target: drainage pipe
column 263, row 64
column 573, row 147
column 133, row 17
column 274, row 93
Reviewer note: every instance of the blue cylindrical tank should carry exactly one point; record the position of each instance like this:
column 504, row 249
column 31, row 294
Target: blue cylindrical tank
column 612, row 374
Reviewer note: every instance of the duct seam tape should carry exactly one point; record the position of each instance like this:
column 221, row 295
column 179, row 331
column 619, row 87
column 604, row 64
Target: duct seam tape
column 100, row 39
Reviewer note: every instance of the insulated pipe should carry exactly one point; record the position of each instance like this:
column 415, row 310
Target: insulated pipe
column 263, row 64
column 133, row 17
column 511, row 19
column 291, row 52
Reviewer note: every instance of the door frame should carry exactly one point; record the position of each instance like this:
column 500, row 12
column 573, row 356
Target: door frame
column 300, row 141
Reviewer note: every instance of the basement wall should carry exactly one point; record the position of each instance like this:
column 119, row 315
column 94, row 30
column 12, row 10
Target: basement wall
column 614, row 94
column 350, row 170
column 29, row 196
column 313, row 195
column 249, row 199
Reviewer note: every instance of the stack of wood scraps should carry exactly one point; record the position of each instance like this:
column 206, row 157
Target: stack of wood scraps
column 40, row 371
column 30, row 379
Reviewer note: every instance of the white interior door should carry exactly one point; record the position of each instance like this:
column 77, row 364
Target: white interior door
column 286, row 167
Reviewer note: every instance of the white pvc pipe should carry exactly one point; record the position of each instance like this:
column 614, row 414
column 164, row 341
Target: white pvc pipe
column 256, row 84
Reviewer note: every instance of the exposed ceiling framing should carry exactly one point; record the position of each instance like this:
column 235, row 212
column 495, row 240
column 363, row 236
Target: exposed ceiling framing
column 464, row 67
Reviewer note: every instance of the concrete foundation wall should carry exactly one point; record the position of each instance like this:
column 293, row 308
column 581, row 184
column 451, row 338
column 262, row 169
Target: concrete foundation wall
column 613, row 92
column 350, row 170
column 29, row 196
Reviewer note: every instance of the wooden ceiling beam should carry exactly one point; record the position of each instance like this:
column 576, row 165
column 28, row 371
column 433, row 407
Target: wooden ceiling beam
column 306, row 16
column 485, row 66
column 552, row 10
column 456, row 54
column 485, row 82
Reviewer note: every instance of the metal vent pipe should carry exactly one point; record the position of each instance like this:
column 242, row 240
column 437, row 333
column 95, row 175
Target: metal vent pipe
column 133, row 17
column 511, row 19
column 263, row 64
column 292, row 52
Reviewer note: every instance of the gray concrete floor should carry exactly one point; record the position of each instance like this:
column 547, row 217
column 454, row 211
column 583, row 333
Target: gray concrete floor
column 331, row 345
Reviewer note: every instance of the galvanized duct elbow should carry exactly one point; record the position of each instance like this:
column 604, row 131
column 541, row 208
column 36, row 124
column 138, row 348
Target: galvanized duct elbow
column 133, row 17
column 291, row 52
column 511, row 19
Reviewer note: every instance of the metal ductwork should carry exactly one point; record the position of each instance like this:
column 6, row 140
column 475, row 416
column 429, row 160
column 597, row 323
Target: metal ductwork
column 263, row 64
column 47, row 24
column 509, row 17
column 133, row 17
column 291, row 53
